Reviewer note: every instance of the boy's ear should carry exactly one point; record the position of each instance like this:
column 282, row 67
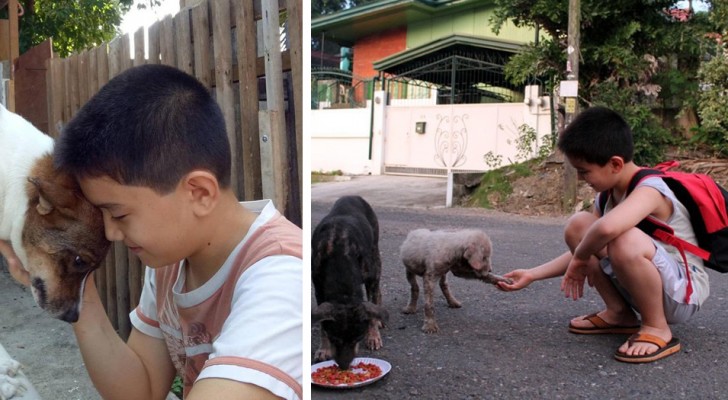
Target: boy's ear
column 203, row 189
column 617, row 163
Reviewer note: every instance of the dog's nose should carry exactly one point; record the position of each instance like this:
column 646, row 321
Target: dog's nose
column 70, row 316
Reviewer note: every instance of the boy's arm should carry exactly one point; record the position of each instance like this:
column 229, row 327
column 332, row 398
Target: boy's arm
column 642, row 202
column 139, row 369
column 524, row 277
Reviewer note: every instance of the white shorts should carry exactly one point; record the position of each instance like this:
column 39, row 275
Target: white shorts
column 674, row 283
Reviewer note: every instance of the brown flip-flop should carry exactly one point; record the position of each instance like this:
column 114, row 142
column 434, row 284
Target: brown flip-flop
column 664, row 348
column 601, row 326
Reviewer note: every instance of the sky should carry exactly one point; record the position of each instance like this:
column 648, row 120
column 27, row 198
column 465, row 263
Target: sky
column 136, row 18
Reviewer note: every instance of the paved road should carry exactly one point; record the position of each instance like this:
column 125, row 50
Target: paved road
column 515, row 345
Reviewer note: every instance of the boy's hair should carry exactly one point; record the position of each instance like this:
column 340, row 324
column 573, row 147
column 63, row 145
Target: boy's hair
column 596, row 135
column 149, row 126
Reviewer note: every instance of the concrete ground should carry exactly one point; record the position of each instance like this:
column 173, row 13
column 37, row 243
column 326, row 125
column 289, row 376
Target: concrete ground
column 386, row 190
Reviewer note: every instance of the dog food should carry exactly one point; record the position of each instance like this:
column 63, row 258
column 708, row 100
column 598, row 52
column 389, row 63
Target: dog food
column 333, row 375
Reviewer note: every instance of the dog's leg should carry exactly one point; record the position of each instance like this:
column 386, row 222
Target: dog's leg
column 374, row 291
column 324, row 351
column 429, row 326
column 374, row 338
column 452, row 302
column 414, row 294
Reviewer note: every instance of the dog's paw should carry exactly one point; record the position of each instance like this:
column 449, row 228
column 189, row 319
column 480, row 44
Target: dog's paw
column 374, row 343
column 409, row 310
column 454, row 304
column 430, row 327
column 10, row 387
column 322, row 355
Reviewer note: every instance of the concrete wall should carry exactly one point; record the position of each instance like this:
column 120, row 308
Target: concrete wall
column 455, row 137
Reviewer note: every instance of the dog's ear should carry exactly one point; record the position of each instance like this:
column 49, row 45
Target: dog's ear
column 375, row 311
column 44, row 206
column 474, row 254
column 324, row 312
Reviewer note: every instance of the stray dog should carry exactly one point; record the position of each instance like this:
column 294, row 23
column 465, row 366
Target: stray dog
column 431, row 254
column 345, row 256
column 52, row 230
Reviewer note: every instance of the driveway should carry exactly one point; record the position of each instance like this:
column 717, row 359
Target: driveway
column 385, row 190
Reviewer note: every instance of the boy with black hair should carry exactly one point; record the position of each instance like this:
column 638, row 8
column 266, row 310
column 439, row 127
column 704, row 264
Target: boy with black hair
column 222, row 298
column 631, row 272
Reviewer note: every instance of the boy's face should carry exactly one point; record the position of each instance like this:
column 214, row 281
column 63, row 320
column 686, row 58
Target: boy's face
column 155, row 227
column 600, row 178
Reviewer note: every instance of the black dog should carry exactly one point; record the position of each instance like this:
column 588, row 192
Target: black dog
column 345, row 256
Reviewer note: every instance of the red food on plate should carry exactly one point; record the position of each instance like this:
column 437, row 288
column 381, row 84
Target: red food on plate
column 359, row 372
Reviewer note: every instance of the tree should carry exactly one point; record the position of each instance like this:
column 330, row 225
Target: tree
column 629, row 51
column 324, row 7
column 73, row 24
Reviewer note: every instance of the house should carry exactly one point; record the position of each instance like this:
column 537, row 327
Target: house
column 427, row 78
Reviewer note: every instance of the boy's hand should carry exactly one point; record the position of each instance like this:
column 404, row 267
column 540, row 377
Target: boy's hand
column 520, row 278
column 573, row 283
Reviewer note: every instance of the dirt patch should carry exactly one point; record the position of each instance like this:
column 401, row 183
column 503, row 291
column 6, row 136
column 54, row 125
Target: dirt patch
column 540, row 194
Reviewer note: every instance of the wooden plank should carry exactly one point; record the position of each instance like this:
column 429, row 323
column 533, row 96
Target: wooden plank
column 4, row 43
column 54, row 75
column 266, row 155
column 93, row 76
column 274, row 104
column 166, row 41
column 125, row 62
column 72, row 85
column 114, row 58
column 183, row 41
column 82, row 78
column 102, row 64
column 248, row 87
column 66, row 90
column 139, row 47
column 295, row 46
column 153, row 51
column 201, row 38
column 222, row 48
column 14, row 49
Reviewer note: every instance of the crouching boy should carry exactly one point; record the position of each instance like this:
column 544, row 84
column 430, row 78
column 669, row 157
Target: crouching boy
column 222, row 302
column 633, row 273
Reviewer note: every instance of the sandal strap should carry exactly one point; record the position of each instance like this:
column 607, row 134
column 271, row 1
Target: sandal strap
column 597, row 321
column 646, row 338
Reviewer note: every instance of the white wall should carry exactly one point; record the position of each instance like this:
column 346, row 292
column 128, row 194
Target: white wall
column 340, row 140
column 456, row 137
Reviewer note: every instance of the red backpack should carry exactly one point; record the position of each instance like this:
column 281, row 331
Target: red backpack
column 705, row 200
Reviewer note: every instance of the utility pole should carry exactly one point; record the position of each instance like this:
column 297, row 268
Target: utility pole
column 569, row 92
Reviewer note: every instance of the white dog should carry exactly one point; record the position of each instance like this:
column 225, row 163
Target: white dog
column 46, row 224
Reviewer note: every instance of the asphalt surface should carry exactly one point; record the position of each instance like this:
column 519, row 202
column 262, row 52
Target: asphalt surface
column 511, row 345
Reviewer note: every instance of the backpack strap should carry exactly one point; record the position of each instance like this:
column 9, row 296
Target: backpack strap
column 603, row 197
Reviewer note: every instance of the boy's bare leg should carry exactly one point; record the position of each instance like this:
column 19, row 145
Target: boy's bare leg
column 631, row 255
column 618, row 311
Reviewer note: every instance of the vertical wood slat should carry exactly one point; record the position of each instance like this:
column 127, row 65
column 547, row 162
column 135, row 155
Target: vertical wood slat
column 153, row 50
column 222, row 48
column 183, row 41
column 55, row 95
column 139, row 47
column 201, row 45
column 166, row 41
column 83, row 90
column 274, row 103
column 248, row 85
column 295, row 46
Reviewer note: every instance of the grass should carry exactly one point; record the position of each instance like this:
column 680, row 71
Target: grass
column 322, row 176
column 496, row 185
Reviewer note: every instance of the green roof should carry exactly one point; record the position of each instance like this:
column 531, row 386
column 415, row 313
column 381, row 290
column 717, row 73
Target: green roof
column 345, row 27
column 443, row 43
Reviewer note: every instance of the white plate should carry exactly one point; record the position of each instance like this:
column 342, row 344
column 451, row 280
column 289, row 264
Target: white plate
column 385, row 366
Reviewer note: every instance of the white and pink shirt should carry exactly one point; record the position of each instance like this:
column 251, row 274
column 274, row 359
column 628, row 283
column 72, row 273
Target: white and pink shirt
column 245, row 323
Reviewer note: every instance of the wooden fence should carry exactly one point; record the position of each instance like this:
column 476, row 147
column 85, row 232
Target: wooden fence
column 235, row 48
